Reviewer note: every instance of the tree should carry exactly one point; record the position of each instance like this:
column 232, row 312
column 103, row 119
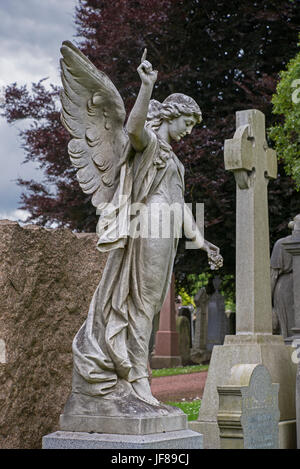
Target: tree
column 286, row 133
column 226, row 55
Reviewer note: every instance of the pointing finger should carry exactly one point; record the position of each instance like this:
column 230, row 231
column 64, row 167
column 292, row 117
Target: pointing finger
column 144, row 55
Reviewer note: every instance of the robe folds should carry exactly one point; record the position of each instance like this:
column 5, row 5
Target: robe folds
column 113, row 342
column 282, row 287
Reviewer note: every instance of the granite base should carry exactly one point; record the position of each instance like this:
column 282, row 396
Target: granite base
column 182, row 439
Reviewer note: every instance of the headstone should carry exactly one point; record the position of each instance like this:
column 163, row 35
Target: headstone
column 199, row 352
column 292, row 246
column 217, row 320
column 248, row 414
column 252, row 163
column 184, row 333
column 282, row 289
column 166, row 353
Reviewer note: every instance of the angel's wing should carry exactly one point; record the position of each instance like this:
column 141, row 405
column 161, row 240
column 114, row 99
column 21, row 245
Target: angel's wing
column 94, row 114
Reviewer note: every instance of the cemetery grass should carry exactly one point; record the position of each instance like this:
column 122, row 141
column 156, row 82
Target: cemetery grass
column 191, row 408
column 179, row 370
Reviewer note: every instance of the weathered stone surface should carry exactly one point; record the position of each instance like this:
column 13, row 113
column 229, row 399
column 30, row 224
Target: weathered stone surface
column 248, row 409
column 47, row 279
column 183, row 439
column 253, row 164
column 270, row 351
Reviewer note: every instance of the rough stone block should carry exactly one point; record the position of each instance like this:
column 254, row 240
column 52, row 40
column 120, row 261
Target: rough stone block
column 47, row 280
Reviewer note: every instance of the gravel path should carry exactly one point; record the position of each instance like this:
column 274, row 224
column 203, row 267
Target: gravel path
column 178, row 387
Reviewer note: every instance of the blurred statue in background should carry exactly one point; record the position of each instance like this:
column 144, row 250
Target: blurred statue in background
column 282, row 288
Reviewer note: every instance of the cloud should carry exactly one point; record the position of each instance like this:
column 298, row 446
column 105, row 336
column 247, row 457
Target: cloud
column 15, row 215
column 31, row 34
column 30, row 38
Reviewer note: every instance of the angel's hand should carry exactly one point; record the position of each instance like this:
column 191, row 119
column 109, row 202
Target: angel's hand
column 147, row 74
column 215, row 259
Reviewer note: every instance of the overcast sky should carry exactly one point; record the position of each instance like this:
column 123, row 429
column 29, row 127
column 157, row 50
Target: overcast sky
column 31, row 33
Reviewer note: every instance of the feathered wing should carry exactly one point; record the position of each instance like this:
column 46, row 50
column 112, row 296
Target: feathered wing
column 93, row 112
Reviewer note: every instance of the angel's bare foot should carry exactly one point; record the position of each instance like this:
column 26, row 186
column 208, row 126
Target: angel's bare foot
column 142, row 388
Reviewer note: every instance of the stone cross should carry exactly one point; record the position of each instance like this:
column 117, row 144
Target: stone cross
column 252, row 163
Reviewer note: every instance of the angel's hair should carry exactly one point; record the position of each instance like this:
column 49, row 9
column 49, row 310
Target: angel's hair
column 175, row 105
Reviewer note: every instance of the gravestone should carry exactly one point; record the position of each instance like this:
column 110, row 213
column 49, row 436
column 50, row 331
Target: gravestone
column 248, row 414
column 217, row 320
column 199, row 352
column 253, row 164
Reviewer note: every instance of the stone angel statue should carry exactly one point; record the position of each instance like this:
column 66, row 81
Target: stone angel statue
column 121, row 165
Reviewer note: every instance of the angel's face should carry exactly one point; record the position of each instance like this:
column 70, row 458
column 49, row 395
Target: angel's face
column 181, row 126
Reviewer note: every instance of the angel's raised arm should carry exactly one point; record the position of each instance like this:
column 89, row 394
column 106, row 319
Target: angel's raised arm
column 136, row 121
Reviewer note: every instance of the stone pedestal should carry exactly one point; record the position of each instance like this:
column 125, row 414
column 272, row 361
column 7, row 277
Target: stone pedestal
column 121, row 422
column 183, row 439
column 137, row 420
column 268, row 350
column 166, row 353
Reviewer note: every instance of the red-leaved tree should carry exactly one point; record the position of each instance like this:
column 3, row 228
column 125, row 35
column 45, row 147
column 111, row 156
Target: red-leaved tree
column 226, row 55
